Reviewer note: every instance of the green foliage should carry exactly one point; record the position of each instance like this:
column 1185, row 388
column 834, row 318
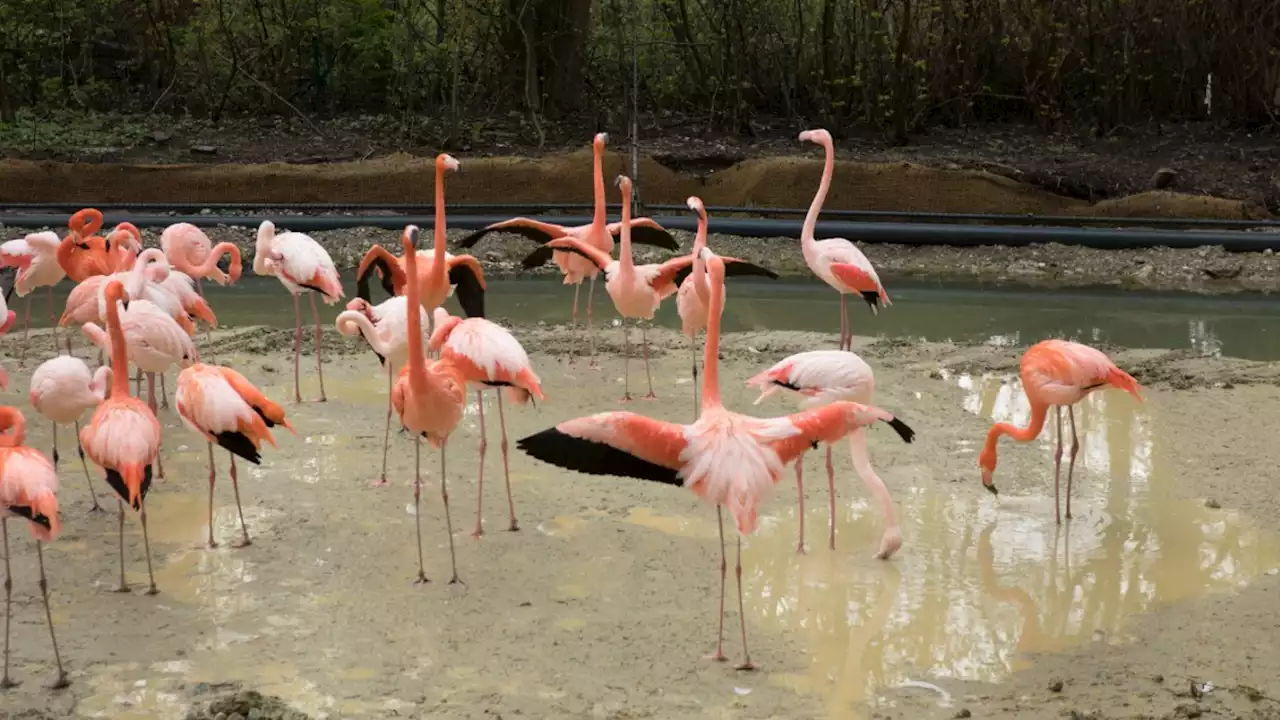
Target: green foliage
column 30, row 132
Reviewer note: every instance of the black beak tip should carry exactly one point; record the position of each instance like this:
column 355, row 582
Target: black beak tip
column 413, row 237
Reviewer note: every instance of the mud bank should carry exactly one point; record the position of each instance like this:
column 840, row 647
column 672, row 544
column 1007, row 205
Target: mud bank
column 604, row 601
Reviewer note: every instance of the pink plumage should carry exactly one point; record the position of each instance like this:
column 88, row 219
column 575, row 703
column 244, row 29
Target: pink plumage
column 28, row 489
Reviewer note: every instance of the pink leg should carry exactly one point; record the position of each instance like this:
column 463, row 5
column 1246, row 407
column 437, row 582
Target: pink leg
column 719, row 655
column 417, row 504
column 164, row 394
column 626, row 363
column 123, row 587
column 1075, row 448
column 319, row 361
column 484, row 445
column 746, row 663
column 800, row 499
column 59, row 680
column 235, row 488
column 892, row 538
column 151, row 401
column 6, row 682
column 831, row 494
column 573, row 327
column 845, row 332
column 1057, row 467
column 137, row 385
column 26, row 328
column 212, row 478
column 88, row 480
column 297, row 347
column 146, row 543
column 591, row 336
column 53, row 316
column 506, row 467
column 697, row 407
column 386, row 433
column 448, row 521
column 644, row 335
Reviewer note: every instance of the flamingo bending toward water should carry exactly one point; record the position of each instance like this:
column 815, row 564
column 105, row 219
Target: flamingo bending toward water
column 62, row 388
column 838, row 262
column 429, row 399
column 36, row 259
column 1057, row 373
column 123, row 437
column 597, row 234
column 299, row 263
column 385, row 327
column 636, row 290
column 223, row 406
column 28, row 487
column 821, row 377
column 726, row 458
column 488, row 355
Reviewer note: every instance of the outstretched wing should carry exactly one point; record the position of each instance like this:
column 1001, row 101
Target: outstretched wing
column 541, row 255
column 733, row 267
column 537, row 231
column 465, row 273
column 614, row 443
column 830, row 423
column 647, row 231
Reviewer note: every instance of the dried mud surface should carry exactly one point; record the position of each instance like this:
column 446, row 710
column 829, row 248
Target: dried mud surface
column 581, row 614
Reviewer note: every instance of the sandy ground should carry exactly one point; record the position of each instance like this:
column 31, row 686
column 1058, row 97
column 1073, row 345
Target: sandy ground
column 603, row 604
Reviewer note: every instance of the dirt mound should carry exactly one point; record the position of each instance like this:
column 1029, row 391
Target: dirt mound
column 769, row 182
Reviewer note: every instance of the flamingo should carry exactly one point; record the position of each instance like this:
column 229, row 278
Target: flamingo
column 223, row 406
column 123, row 437
column 28, row 487
column 123, row 244
column 62, row 388
column 36, row 259
column 429, row 400
column 300, row 264
column 726, row 458
column 488, row 355
column 821, row 377
column 597, row 234
column 836, row 261
column 82, row 254
column 636, row 290
column 191, row 253
column 1057, row 373
column 385, row 327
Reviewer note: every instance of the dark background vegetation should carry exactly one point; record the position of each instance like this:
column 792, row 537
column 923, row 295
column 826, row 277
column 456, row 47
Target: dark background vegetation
column 895, row 66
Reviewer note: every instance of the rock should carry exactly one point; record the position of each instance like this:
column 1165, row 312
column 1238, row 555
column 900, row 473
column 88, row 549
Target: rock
column 1189, row 710
column 1164, row 178
column 1158, row 678
column 204, row 150
column 1212, row 504
column 1055, row 686
column 161, row 136
column 963, row 713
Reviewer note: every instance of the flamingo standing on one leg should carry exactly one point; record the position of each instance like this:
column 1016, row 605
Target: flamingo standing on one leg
column 123, row 437
column 62, row 388
column 597, row 234
column 28, row 487
column 1057, row 373
column 36, row 258
column 299, row 263
column 636, row 290
column 838, row 262
column 726, row 458
column 385, row 327
column 224, row 407
column 429, row 399
column 821, row 377
column 489, row 356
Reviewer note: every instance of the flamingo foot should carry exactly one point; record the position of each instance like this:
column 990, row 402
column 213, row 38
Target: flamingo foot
column 153, row 590
column 650, row 396
column 123, row 589
column 889, row 544
column 477, row 533
column 59, row 681
column 717, row 656
column 380, row 482
column 96, row 508
column 246, row 542
column 457, row 580
column 422, row 579
column 626, row 398
column 514, row 527
column 800, row 548
column 213, row 544
column 746, row 666
column 7, row 683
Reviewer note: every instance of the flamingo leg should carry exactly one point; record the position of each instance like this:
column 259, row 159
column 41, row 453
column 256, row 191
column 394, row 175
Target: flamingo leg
column 164, row 394
column 444, row 495
column 60, row 680
column 208, row 341
column 506, row 466
column 831, row 494
column 297, row 347
column 151, row 400
column 591, row 336
column 719, row 655
column 845, row 332
column 892, row 538
column 26, row 328
column 6, row 682
column 212, row 478
column 626, row 362
column 1075, row 448
column 696, row 405
column 644, row 336
column 417, row 504
column 124, row 586
column 235, row 488
column 573, row 326
column 55, row 445
column 137, row 385
column 746, row 663
column 1057, row 466
column 484, row 445
column 319, row 360
column 800, row 500
column 386, row 433
column 85, row 464
column 54, row 320
column 146, row 543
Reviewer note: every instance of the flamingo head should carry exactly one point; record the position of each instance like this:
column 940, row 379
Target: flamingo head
column 445, row 161
column 85, row 222
column 410, row 239
column 695, row 204
column 599, row 141
column 361, row 306
column 442, row 333
column 116, row 293
column 987, row 461
column 819, row 136
column 101, row 382
column 624, row 184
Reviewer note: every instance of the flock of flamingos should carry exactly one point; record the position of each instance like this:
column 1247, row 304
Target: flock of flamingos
column 140, row 307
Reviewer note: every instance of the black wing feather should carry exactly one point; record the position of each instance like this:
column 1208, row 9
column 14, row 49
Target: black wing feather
column 23, row 511
column 238, row 444
column 645, row 235
column 116, row 481
column 384, row 274
column 468, row 290
column 531, row 233
column 593, row 458
column 903, row 430
column 733, row 269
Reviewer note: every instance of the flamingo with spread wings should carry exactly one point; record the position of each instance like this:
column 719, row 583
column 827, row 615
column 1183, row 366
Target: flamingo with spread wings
column 726, row 458
column 36, row 259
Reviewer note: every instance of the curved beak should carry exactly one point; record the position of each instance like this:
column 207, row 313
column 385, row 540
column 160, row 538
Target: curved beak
column 988, row 482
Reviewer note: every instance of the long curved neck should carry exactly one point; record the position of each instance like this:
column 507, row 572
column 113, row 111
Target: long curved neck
column 13, row 426
column 699, row 274
column 211, row 260
column 266, row 235
column 711, row 353
column 811, row 217
column 413, row 301
column 625, row 263
column 598, row 218
column 367, row 329
column 437, row 265
column 119, row 353
column 1039, row 411
column 101, row 378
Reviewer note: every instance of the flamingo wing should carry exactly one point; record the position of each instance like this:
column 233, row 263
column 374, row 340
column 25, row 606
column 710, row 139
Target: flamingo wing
column 467, row 276
column 614, row 443
column 535, row 230
column 28, row 487
column 824, row 375
column 541, row 255
column 647, row 231
column 733, row 267
column 830, row 423
column 389, row 270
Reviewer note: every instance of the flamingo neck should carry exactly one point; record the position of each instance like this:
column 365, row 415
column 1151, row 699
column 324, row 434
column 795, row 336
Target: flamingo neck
column 13, row 426
column 437, row 266
column 1039, row 411
column 815, row 207
column 699, row 274
column 211, row 260
column 711, row 352
column 119, row 353
column 266, row 236
column 413, row 300
column 101, row 378
column 598, row 218
column 625, row 262
column 368, row 330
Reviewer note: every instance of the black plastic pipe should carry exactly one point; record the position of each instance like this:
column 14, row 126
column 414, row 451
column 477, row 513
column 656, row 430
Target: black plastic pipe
column 520, row 208
column 886, row 232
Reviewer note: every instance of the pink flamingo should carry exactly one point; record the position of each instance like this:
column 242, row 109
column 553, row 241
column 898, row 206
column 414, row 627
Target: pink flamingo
column 821, row 377
column 636, row 290
column 123, row 437
column 190, row 252
column 1057, row 373
column 223, row 406
column 62, row 388
column 725, row 458
column 488, row 355
column 36, row 258
column 597, row 234
column 838, row 262
column 429, row 399
column 28, row 487
column 300, row 264
column 385, row 327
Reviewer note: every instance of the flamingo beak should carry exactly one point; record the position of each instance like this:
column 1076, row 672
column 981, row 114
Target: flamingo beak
column 988, row 483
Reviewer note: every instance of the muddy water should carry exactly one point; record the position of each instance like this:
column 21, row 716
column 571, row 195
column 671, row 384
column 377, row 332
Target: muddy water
column 1245, row 326
column 603, row 604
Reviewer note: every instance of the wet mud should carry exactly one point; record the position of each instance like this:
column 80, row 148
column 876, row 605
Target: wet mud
column 1156, row 600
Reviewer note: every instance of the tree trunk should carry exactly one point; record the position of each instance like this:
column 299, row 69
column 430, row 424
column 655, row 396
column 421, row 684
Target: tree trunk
column 546, row 42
